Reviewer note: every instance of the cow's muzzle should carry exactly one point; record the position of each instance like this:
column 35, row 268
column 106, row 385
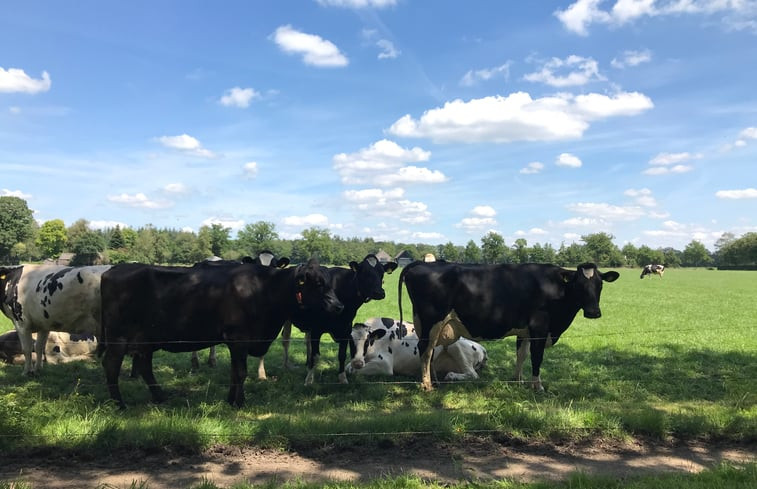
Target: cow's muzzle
column 592, row 313
column 357, row 364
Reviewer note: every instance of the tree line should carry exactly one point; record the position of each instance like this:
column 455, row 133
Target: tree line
column 22, row 239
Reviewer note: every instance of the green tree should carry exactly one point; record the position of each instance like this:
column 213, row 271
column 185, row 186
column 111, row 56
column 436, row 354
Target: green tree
column 449, row 252
column 218, row 236
column 52, row 238
column 317, row 243
column 493, row 248
column 740, row 252
column 520, row 251
column 629, row 252
column 16, row 225
column 572, row 255
column 116, row 239
column 75, row 231
column 601, row 250
column 543, row 254
column 695, row 255
column 671, row 257
column 647, row 255
column 472, row 253
column 257, row 237
column 87, row 248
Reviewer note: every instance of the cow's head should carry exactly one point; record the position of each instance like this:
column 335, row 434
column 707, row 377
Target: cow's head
column 9, row 277
column 584, row 286
column 268, row 259
column 313, row 289
column 369, row 275
column 364, row 339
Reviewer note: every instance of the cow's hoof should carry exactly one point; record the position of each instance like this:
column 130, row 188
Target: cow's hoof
column 427, row 387
column 343, row 378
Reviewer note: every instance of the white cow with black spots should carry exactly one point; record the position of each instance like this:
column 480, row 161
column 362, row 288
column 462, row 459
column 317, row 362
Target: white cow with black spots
column 43, row 298
column 379, row 350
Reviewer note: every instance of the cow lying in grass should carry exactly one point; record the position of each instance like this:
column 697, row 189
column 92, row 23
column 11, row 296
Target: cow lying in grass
column 60, row 347
column 379, row 350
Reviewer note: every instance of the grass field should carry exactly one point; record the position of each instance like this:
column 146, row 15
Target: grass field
column 672, row 357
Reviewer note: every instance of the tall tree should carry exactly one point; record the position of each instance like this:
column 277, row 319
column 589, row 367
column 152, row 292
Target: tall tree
column 256, row 237
column 52, row 238
column 116, row 239
column 317, row 243
column 472, row 253
column 449, row 252
column 76, row 230
column 695, row 255
column 16, row 225
column 602, row 250
column 87, row 248
column 520, row 251
column 493, row 248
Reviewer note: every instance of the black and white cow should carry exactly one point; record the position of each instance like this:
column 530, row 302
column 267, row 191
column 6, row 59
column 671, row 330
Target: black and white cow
column 60, row 347
column 354, row 286
column 381, row 348
column 147, row 308
column 265, row 258
column 43, row 298
column 535, row 302
column 652, row 268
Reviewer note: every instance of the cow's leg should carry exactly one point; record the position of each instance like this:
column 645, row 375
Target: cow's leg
column 39, row 348
column 537, row 355
column 112, row 360
column 521, row 346
column 261, row 369
column 212, row 360
column 286, row 337
column 342, row 359
column 134, row 369
column 314, row 354
column 27, row 345
column 238, row 375
column 144, row 366
column 195, row 361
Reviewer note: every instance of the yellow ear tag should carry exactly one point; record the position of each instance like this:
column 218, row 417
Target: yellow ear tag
column 300, row 282
column 2, row 277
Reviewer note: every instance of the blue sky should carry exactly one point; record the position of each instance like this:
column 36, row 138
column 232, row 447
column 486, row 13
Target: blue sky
column 400, row 120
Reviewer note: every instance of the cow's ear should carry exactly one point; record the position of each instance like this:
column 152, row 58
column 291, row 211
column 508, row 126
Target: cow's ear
column 611, row 276
column 567, row 275
column 353, row 266
column 377, row 334
column 282, row 263
column 389, row 267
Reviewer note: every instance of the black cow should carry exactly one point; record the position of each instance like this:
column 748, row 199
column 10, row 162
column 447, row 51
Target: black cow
column 354, row 287
column 536, row 302
column 266, row 258
column 147, row 308
column 652, row 269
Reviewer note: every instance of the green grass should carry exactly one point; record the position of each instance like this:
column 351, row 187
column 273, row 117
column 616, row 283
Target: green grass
column 672, row 357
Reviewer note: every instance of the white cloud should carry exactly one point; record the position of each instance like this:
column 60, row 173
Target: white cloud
column 744, row 135
column 16, row 80
column 585, row 222
column 15, row 110
column 533, row 167
column 106, row 224
column 186, row 144
column 531, row 232
column 177, row 189
column 15, row 193
column 665, row 170
column 581, row 14
column 388, row 51
column 607, row 212
column 667, row 163
column 139, row 200
column 482, row 217
column 388, row 204
column 427, row 236
column 569, row 160
column 310, row 220
column 474, row 76
column 358, row 3
column 518, row 117
column 632, row 58
column 250, row 169
column 233, row 224
column 384, row 163
column 747, row 193
column 578, row 71
column 315, row 50
column 642, row 196
column 238, row 97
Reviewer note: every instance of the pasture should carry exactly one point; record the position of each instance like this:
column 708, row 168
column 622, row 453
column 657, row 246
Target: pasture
column 673, row 357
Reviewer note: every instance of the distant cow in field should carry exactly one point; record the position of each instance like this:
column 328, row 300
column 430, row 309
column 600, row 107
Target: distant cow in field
column 60, row 347
column 384, row 347
column 534, row 302
column 652, row 269
column 354, row 286
column 43, row 298
column 146, row 308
